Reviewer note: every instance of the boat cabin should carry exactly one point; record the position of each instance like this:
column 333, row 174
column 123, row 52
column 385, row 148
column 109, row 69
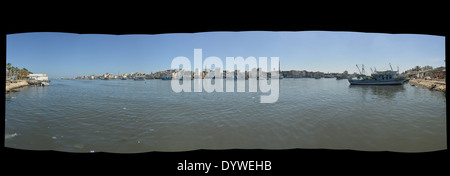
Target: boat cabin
column 385, row 75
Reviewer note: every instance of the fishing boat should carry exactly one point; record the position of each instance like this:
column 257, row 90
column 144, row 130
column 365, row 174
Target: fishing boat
column 389, row 77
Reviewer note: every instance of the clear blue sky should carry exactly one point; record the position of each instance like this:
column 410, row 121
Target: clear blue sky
column 70, row 55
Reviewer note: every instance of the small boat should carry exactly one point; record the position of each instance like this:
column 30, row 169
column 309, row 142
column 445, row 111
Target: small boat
column 123, row 78
column 165, row 77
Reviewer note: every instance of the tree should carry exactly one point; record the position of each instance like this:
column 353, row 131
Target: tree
column 417, row 68
column 24, row 73
column 14, row 72
column 8, row 67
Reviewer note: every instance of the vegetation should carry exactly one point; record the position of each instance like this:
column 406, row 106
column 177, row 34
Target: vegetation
column 15, row 72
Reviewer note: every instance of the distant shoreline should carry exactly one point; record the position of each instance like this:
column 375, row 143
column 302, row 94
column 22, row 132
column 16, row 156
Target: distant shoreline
column 15, row 85
column 433, row 85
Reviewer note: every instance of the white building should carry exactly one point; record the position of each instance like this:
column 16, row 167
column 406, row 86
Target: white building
column 40, row 77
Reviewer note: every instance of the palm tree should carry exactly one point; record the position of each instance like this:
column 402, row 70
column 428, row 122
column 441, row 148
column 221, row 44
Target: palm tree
column 417, row 68
column 25, row 72
column 20, row 73
column 8, row 67
column 14, row 72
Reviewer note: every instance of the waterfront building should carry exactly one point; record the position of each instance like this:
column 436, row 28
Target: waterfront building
column 37, row 79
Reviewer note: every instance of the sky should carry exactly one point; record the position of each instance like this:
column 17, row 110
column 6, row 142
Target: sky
column 67, row 55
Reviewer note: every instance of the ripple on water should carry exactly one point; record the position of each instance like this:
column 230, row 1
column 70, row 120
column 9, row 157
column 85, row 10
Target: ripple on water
column 129, row 116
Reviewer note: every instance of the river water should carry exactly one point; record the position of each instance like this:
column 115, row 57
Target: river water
column 127, row 116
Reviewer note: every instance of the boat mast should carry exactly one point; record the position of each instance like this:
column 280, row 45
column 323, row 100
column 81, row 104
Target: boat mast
column 363, row 71
column 391, row 67
column 358, row 69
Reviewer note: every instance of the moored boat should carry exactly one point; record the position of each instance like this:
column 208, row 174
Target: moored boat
column 375, row 82
column 388, row 77
column 166, row 77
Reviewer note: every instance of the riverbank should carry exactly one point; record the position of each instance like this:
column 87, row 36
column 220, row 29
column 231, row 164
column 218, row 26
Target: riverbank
column 433, row 85
column 14, row 85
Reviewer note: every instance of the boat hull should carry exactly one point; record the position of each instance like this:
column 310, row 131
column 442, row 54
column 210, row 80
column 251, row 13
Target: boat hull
column 374, row 82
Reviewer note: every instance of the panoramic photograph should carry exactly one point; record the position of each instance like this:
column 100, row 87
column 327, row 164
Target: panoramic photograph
column 136, row 93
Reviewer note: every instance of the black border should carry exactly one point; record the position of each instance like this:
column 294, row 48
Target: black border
column 187, row 20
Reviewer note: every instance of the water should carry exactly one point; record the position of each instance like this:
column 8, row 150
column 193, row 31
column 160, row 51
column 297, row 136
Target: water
column 127, row 116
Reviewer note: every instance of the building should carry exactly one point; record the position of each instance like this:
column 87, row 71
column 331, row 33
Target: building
column 437, row 73
column 425, row 72
column 33, row 79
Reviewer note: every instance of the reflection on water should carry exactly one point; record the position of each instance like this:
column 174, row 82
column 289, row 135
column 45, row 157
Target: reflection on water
column 383, row 91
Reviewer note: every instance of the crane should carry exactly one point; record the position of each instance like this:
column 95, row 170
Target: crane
column 358, row 69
